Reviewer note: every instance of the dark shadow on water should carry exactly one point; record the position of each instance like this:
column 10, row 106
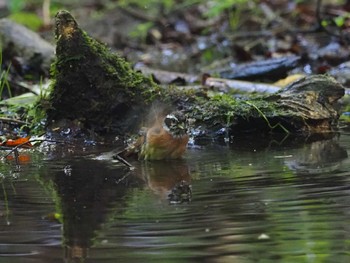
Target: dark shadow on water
column 89, row 192
column 86, row 191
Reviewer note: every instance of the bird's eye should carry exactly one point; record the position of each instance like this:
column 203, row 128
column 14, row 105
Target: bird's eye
column 170, row 120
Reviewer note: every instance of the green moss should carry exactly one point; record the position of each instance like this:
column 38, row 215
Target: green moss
column 119, row 69
column 223, row 110
column 218, row 109
column 92, row 84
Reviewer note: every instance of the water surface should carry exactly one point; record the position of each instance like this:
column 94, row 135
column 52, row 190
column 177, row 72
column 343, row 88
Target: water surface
column 274, row 201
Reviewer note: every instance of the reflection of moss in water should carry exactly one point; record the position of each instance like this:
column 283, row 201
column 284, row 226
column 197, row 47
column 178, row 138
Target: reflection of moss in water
column 88, row 196
column 298, row 234
column 6, row 203
column 49, row 186
column 142, row 204
column 159, row 228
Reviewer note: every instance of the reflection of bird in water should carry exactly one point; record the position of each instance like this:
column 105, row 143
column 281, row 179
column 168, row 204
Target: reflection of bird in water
column 169, row 180
column 180, row 193
column 167, row 138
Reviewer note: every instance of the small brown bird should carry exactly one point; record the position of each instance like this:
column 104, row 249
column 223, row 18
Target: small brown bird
column 167, row 138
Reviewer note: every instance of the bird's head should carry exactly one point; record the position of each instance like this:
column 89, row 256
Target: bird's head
column 176, row 124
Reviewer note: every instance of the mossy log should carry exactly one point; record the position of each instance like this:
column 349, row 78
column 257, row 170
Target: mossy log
column 99, row 89
column 305, row 107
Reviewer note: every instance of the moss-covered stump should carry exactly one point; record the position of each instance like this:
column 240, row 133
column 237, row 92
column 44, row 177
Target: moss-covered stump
column 93, row 86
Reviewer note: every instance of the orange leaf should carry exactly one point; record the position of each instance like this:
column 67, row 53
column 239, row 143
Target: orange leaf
column 22, row 158
column 16, row 142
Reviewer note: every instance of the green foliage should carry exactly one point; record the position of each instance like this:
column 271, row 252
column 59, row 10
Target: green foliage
column 214, row 8
column 217, row 7
column 15, row 5
column 234, row 17
column 21, row 11
column 18, row 15
column 36, row 117
column 140, row 31
column 3, row 79
column 150, row 5
column 36, row 111
column 338, row 21
column 29, row 20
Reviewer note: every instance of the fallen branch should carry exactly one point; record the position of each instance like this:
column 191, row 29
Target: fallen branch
column 221, row 84
column 9, row 120
column 226, row 85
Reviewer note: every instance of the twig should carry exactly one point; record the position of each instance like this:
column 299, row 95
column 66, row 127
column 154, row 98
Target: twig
column 22, row 85
column 46, row 12
column 267, row 121
column 4, row 119
column 16, row 153
column 122, row 160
